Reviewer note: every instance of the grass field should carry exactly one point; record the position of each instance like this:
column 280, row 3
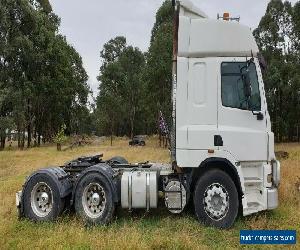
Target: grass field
column 156, row 230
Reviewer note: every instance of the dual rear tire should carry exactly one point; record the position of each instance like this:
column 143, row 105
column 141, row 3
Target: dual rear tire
column 42, row 201
column 93, row 199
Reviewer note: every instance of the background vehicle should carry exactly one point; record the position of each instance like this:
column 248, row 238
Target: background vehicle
column 137, row 140
column 222, row 146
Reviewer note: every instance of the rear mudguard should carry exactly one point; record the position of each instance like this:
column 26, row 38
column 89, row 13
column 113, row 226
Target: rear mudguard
column 60, row 178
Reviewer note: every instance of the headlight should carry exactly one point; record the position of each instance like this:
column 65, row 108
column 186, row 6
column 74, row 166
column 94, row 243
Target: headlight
column 276, row 172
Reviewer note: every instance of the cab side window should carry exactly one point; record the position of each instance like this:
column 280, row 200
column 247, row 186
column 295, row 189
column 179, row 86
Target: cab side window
column 233, row 94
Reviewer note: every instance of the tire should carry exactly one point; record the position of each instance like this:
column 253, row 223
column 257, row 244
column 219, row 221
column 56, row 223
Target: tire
column 41, row 199
column 118, row 160
column 142, row 143
column 216, row 199
column 101, row 212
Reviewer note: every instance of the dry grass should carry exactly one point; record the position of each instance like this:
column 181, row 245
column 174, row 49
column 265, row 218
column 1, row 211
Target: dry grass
column 156, row 230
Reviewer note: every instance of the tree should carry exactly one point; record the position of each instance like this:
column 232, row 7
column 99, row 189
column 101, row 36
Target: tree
column 158, row 73
column 109, row 103
column 43, row 77
column 132, row 64
column 134, row 86
column 60, row 137
column 278, row 39
column 121, row 86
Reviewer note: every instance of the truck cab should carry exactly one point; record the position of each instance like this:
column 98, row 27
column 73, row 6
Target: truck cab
column 220, row 110
column 222, row 146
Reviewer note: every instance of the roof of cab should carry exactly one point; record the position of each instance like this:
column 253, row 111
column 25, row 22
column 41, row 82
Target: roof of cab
column 200, row 36
column 189, row 8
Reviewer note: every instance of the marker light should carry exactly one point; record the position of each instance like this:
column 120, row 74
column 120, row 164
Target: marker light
column 226, row 16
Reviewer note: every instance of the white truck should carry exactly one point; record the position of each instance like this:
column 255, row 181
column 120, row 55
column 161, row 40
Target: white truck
column 222, row 146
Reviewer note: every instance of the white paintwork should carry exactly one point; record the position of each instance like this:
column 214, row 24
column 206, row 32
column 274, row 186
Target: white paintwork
column 213, row 38
column 243, row 135
column 196, row 103
column 187, row 8
column 203, row 45
column 203, row 37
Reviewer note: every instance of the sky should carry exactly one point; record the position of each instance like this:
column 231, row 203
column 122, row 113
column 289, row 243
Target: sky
column 89, row 24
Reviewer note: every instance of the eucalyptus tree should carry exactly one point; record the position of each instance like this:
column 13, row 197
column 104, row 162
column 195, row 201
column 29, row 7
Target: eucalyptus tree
column 121, row 88
column 42, row 75
column 158, row 73
column 278, row 38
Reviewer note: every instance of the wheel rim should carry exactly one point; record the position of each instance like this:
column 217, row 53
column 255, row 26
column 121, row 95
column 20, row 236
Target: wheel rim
column 94, row 200
column 41, row 199
column 216, row 201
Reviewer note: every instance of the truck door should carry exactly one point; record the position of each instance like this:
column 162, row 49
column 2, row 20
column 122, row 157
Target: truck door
column 242, row 124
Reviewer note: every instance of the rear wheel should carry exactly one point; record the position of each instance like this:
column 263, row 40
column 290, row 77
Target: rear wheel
column 94, row 200
column 42, row 201
column 216, row 199
column 118, row 160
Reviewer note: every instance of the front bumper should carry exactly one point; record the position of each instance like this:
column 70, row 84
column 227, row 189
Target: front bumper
column 272, row 198
column 276, row 169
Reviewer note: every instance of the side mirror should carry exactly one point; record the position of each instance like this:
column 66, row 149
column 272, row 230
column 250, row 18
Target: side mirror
column 247, row 84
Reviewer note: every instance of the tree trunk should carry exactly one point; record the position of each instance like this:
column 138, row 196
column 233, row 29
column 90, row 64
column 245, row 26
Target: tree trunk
column 111, row 137
column 23, row 140
column 159, row 139
column 131, row 128
column 111, row 132
column 29, row 136
column 2, row 143
column 58, row 146
column 35, row 139
column 281, row 122
column 39, row 139
column 19, row 138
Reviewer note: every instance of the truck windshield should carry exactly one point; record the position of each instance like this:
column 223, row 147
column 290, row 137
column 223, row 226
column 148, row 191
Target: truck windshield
column 233, row 94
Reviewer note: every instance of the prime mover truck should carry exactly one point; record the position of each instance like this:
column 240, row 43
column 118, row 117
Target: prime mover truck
column 222, row 146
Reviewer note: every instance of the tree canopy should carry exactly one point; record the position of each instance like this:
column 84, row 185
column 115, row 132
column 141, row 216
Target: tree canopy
column 278, row 38
column 119, row 104
column 134, row 86
column 42, row 80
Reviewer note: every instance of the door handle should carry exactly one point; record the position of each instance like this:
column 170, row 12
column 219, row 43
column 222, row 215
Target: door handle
column 218, row 141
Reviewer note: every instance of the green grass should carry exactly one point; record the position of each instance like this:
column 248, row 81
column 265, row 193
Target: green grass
column 139, row 230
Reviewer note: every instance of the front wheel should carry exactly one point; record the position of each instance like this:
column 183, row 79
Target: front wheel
column 216, row 199
column 94, row 199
